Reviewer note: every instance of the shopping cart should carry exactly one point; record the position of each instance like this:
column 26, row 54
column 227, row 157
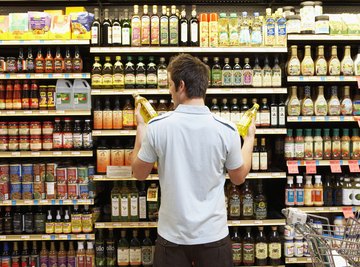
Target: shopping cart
column 328, row 245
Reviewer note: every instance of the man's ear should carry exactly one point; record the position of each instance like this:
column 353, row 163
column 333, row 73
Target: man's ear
column 182, row 87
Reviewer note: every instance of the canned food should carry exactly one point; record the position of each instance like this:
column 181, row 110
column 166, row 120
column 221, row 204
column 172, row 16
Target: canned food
column 61, row 175
column 50, row 190
column 24, row 128
column 24, row 143
column 13, row 143
column 35, row 143
column 84, row 191
column 61, row 189
column 27, row 190
column 4, row 143
column 15, row 173
column 15, row 191
column 47, row 142
column 4, row 191
column 72, row 175
column 27, row 173
column 72, row 191
column 39, row 172
column 82, row 174
column 47, row 128
column 50, row 172
column 4, row 128
column 35, row 128
column 39, row 190
column 4, row 173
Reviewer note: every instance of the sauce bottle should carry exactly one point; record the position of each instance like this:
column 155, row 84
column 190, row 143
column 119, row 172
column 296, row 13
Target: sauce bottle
column 321, row 107
column 123, row 253
column 289, row 151
column 58, row 61
column 44, row 255
column 80, row 255
column 293, row 66
column 248, row 245
column 357, row 63
column 53, row 260
column 30, row 63
column 140, row 74
column 117, row 115
column 87, row 135
column 67, row 223
column 77, row 61
column 17, row 96
column 293, row 106
column 307, row 104
column 49, row 62
column 90, row 255
column 346, row 107
column 307, row 64
column 247, row 73
column 355, row 144
column 49, row 225
column 39, row 62
column 308, row 192
column 107, row 115
column 71, row 255
column 128, row 115
column 62, row 257
column 34, row 95
column 226, row 74
column 334, row 62
column 318, row 192
column 57, row 135
column 236, row 247
column 255, row 161
column 25, row 255
column 345, row 144
column 299, row 191
column 320, row 62
column 327, row 144
column 68, row 141
column 86, row 220
column 274, row 247
column 246, row 120
column 216, row 73
column 68, row 63
column 102, row 157
column 318, row 145
column 347, row 64
column 34, row 257
column 58, row 225
column 261, row 248
column 129, row 74
column 3, row 95
column 135, row 250
column 9, row 95
column 299, row 145
column 334, row 102
column 308, row 145
column 290, row 192
column 77, row 136
column 76, row 222
column 336, row 145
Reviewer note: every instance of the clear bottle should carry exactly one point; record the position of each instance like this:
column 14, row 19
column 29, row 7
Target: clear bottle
column 155, row 27
column 318, row 192
column 334, row 107
column 226, row 74
column 237, row 73
column 247, row 73
column 307, row 64
column 118, row 78
column 293, row 65
column 308, row 145
column 145, row 27
column 194, row 28
column 173, row 27
column 307, row 104
column 246, row 119
column 347, row 64
column 257, row 74
column 269, row 34
column 234, row 111
column 136, row 27
column 321, row 65
column 308, row 191
column 346, row 107
column 162, row 74
column 126, row 29
column 293, row 106
column 244, row 30
column 234, row 30
column 106, row 29
column 334, row 62
column 321, row 107
column 164, row 28
column 256, row 31
column 116, row 29
column 146, row 111
column 276, row 75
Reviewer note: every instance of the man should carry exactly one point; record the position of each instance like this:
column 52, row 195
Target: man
column 194, row 149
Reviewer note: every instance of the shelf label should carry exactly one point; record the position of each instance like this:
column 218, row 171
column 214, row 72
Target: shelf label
column 2, row 237
column 43, row 112
column 75, row 153
column 15, row 154
column 310, row 166
column 258, row 222
column 36, row 202
column 28, row 202
column 125, row 132
column 63, row 237
column 28, row 112
column 60, row 112
column 119, row 171
column 95, row 91
column 293, row 167
column 348, row 212
column 57, row 153
column 39, row 76
column 100, row 225
column 319, row 209
column 354, row 166
column 335, row 166
column 26, row 237
column 333, row 208
column 35, row 153
column 10, row 112
column 97, row 132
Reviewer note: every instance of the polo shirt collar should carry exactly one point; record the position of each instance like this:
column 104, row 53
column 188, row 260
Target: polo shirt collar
column 192, row 109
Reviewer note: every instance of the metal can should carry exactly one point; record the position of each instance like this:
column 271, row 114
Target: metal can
column 13, row 143
column 61, row 176
column 13, row 128
column 84, row 191
column 15, row 173
column 39, row 190
column 61, row 189
column 4, row 143
column 4, row 191
column 27, row 190
column 39, row 172
column 24, row 143
column 4, row 128
column 72, row 191
column 35, row 128
column 47, row 128
column 24, row 128
column 51, row 172
column 27, row 171
column 50, row 190
column 35, row 143
column 72, row 175
column 15, row 191
column 47, row 142
column 82, row 174
column 4, row 173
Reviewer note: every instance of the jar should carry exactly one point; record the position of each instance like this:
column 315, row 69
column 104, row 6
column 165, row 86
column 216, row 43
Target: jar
column 293, row 24
column 322, row 25
column 35, row 128
column 47, row 128
column 289, row 248
column 24, row 128
column 47, row 143
column 13, row 128
column 51, row 97
column 299, row 248
column 35, row 143
column 288, row 11
column 4, row 143
column 306, row 249
column 11, row 64
column 2, row 65
column 4, row 128
column 13, row 143
column 318, row 227
column 307, row 13
column 24, row 143
column 318, row 8
column 339, row 228
column 289, row 232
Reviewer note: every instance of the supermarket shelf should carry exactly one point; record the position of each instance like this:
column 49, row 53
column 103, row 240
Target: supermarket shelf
column 298, row 260
column 156, row 50
column 210, row 91
column 154, row 224
column 45, row 154
column 320, row 118
column 319, row 37
column 319, row 162
column 252, row 175
column 327, row 209
column 46, row 202
column 133, row 132
column 44, row 42
column 47, row 237
column 15, row 76
column 321, row 78
column 12, row 113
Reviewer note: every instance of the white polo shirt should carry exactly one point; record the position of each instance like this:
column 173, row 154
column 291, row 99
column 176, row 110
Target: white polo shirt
column 194, row 148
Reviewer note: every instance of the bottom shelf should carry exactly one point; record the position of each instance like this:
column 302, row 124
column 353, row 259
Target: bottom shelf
column 296, row 260
column 47, row 237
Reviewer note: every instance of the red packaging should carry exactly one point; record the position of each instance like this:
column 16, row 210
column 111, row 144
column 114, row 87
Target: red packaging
column 61, row 175
column 4, row 173
column 72, row 191
column 72, row 175
column 4, row 191
column 62, row 191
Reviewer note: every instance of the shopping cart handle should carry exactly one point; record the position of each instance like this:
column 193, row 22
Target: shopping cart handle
column 294, row 216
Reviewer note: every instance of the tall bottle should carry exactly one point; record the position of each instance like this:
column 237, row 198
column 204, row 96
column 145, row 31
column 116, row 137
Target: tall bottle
column 118, row 78
column 162, row 74
column 136, row 27
column 290, row 192
column 25, row 255
column 147, row 250
column 226, row 74
column 71, row 255
column 216, row 73
column 347, row 64
column 126, row 29
column 184, row 28
column 106, row 29
column 293, row 65
column 247, row 202
column 100, row 249
column 244, row 30
column 299, row 191
column 234, row 111
column 258, row 74
column 110, row 249
column 321, row 65
column 334, row 108
column 307, row 104
column 116, row 29
column 145, row 27
column 346, row 107
column 44, row 255
column 236, row 247
column 39, row 62
column 261, row 248
column 308, row 191
column 96, row 29
column 248, row 245
column 146, row 111
column 237, row 73
column 194, row 28
column 135, row 250
column 140, row 74
column 234, row 203
column 34, row 257
column 30, row 62
column 155, row 27
column 123, row 251
column 321, row 108
column 246, row 119
column 173, row 27
column 49, row 62
column 151, row 74
column 357, row 63
column 62, row 257
column 307, row 64
column 334, row 63
column 260, row 203
column 276, row 74
column 164, row 27
column 274, row 247
column 269, row 33
column 263, row 156
column 129, row 71
column 96, row 74
column 256, row 32
column 247, row 73
column 15, row 255
column 280, row 34
column 53, row 255
column 68, row 62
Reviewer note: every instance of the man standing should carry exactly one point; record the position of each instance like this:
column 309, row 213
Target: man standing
column 194, row 149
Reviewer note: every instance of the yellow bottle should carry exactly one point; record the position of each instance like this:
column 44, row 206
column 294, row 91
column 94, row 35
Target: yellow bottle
column 146, row 111
column 246, row 119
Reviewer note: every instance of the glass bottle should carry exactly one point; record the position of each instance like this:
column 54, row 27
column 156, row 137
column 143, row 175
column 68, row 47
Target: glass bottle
column 307, row 64
column 327, row 144
column 234, row 111
column 237, row 73
column 299, row 191
column 68, row 142
column 162, row 74
column 39, row 62
column 320, row 62
column 15, row 255
column 293, row 66
column 264, row 113
column 336, row 145
column 248, row 245
column 260, row 203
column 328, row 191
column 247, row 202
column 164, row 27
column 308, row 145
column 140, row 74
column 117, row 115
column 334, row 62
column 347, row 191
column 155, row 27
column 234, row 203
column 118, row 79
column 145, row 27
column 100, row 259
column 347, row 64
column 308, row 189
column 34, row 257
column 20, row 62
column 77, row 61
column 261, row 248
column 128, row 115
column 184, row 28
column 276, row 74
column 106, row 29
column 68, row 63
column 226, row 74
column 49, row 62
column 234, row 30
column 357, row 63
column 345, row 144
column 236, row 247
column 267, row 72
column 44, row 255
column 263, row 156
column 147, row 250
column 123, row 251
column 136, row 27
column 107, row 74
column 134, row 202
column 58, row 62
column 77, row 136
column 194, row 28
column 257, row 74
column 116, row 29
column 247, row 73
column 216, row 73
column 334, row 102
column 146, row 111
column 346, row 107
column 96, row 29
column 57, row 135
column 30, row 63
column 96, row 74
column 151, row 74
column 274, row 247
column 34, row 95
column 62, row 257
column 215, row 109
column 53, row 260
column 135, row 250
column 299, row 144
column 321, row 107
column 173, row 27
column 255, row 161
column 126, row 29
column 244, row 106
column 293, row 106
column 16, row 98
column 153, row 202
column 289, row 151
column 129, row 74
column 318, row 145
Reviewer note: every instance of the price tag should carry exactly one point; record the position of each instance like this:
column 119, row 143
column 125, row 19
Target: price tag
column 2, row 237
column 20, row 76
column 293, row 167
column 342, row 78
column 75, row 153
column 60, row 112
column 63, row 237
column 57, row 153
column 96, row 132
column 28, row 202
column 26, row 237
column 43, row 112
column 254, row 175
column 15, row 154
column 334, row 118
column 333, row 208
column 348, row 212
column 319, row 209
column 39, row 76
column 258, row 222
column 358, row 81
column 100, row 225
column 28, row 112
column 35, row 153
column 95, row 91
column 13, row 202
column 125, row 131
column 335, row 166
column 311, row 167
column 10, row 112
column 36, row 202
column 354, row 166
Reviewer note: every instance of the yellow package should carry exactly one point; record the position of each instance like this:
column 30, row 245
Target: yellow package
column 54, row 12
column 60, row 28
column 18, row 26
column 4, row 27
column 81, row 25
column 74, row 9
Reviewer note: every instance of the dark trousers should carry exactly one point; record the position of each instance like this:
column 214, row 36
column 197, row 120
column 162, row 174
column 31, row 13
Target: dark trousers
column 214, row 254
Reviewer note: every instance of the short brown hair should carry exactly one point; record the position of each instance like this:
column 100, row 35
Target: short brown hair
column 192, row 71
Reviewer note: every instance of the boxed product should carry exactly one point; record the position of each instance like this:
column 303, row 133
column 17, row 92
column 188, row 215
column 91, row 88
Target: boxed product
column 55, row 12
column 18, row 26
column 352, row 23
column 337, row 26
column 60, row 27
column 81, row 25
column 39, row 25
column 74, row 9
column 4, row 27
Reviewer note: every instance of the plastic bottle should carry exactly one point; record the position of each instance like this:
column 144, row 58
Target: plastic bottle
column 308, row 189
column 299, row 191
column 80, row 255
column 90, row 255
column 82, row 95
column 290, row 192
column 246, row 119
column 64, row 95
column 146, row 111
column 318, row 192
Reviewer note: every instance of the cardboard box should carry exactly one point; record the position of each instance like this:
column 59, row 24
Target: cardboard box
column 74, row 9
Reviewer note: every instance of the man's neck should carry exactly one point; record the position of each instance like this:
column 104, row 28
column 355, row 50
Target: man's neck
column 194, row 102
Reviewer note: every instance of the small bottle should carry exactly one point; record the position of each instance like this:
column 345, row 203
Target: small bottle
column 334, row 102
column 80, row 255
column 246, row 120
column 68, row 63
column 274, row 247
column 49, row 62
column 267, row 72
column 299, row 191
column 347, row 64
column 96, row 74
column 39, row 62
column 140, row 74
column 247, row 202
column 318, row 192
column 129, row 74
column 290, row 192
column 293, row 65
column 77, row 61
column 334, row 62
column 308, row 192
column 263, row 156
column 276, row 74
column 307, row 64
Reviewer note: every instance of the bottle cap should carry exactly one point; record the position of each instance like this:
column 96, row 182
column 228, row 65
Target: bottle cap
column 203, row 17
column 299, row 179
column 214, row 17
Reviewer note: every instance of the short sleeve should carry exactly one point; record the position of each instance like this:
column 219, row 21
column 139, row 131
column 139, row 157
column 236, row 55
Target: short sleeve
column 234, row 157
column 147, row 151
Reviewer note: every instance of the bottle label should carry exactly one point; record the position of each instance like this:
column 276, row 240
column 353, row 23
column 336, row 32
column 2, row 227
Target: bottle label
column 174, row 31
column 147, row 255
column 68, row 141
column 347, row 196
column 275, row 251
column 80, row 261
column 151, row 79
column 265, row 118
column 44, row 261
column 62, row 261
column 164, row 31
column 216, row 77
column 355, row 153
column 184, row 32
column 260, row 210
column 346, row 106
column 276, row 78
column 155, row 30
column 234, row 206
column 135, row 256
column 140, row 79
column 300, row 150
column 347, row 67
column 123, row 256
column 334, row 107
column 289, row 197
column 263, row 161
column 309, row 153
column 128, row 118
column 142, row 207
column 237, row 77
column 162, row 78
column 130, row 79
column 267, row 78
column 248, row 77
column 334, row 67
column 53, row 261
column 321, row 67
column 261, row 251
column 145, row 30
column 274, row 115
column 294, row 67
column 118, row 79
column 308, row 197
column 248, row 253
column 282, row 116
column 134, row 211
column 345, row 149
column 116, row 34
column 136, row 31
column 194, row 32
column 87, row 140
column 248, row 206
column 96, row 79
column 115, row 206
column 225, row 115
column 336, row 149
column 125, row 36
column 356, row 196
column 90, row 261
column 76, row 223
column 307, row 108
column 124, row 208
column 78, row 140
column 87, row 225
column 307, row 67
column 227, row 78
column 63, row 98
column 235, row 117
column 257, row 78
column 327, row 149
column 49, row 228
column 107, row 79
column 299, row 200
column 237, row 252
column 255, row 163
column 58, row 226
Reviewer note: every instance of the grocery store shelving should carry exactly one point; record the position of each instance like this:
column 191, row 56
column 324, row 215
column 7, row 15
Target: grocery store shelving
column 44, row 42
column 320, row 162
column 320, row 118
column 39, row 76
column 322, row 37
column 41, row 237
column 133, row 132
column 327, row 209
column 45, row 154
column 23, row 113
column 268, row 222
column 298, row 260
column 252, row 175
column 321, row 79
column 202, row 50
column 210, row 91
column 46, row 202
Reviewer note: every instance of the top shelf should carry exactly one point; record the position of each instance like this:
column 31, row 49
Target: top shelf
column 318, row 37
column 43, row 42
column 156, row 50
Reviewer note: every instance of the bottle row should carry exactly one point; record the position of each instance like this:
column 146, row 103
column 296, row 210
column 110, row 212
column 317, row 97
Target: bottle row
column 336, row 191
column 114, row 156
column 296, row 248
column 41, row 64
column 173, row 28
column 322, row 67
column 46, row 221
column 319, row 106
column 323, row 146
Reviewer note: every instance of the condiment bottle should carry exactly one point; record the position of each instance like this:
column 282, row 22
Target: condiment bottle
column 336, row 145
column 247, row 202
column 347, row 191
column 299, row 144
column 34, row 95
column 76, row 222
column 39, row 62
column 86, row 220
column 107, row 113
column 334, row 62
column 128, row 115
column 320, row 62
column 44, row 255
column 293, row 66
column 58, row 225
column 334, row 102
column 255, row 162
column 267, row 72
column 309, row 144
column 347, row 64
column 318, row 145
column 274, row 247
column 321, row 108
column 96, row 77
column 58, row 61
column 49, row 62
column 357, row 63
column 117, row 115
column 71, row 255
column 307, row 104
column 308, row 192
column 327, row 144
column 276, row 73
column 289, row 152
column 355, row 144
column 247, row 73
column 346, row 103
column 146, row 109
column 328, row 191
column 68, row 141
column 68, row 63
column 53, row 260
column 299, row 191
column 356, row 192
column 318, row 192
column 3, row 95
column 49, row 225
column 345, row 144
column 102, row 157
column 307, row 64
column 90, row 254
column 234, row 203
column 293, row 107
column 67, row 223
column 62, row 257
column 248, row 245
column 9, row 95
column 17, row 96
column 80, row 255
column 236, row 247
column 77, row 61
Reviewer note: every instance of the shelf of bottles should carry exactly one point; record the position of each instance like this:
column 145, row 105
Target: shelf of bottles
column 298, row 260
column 45, row 154
column 22, row 113
column 319, row 37
column 322, row 162
column 210, row 91
column 320, row 118
column 328, row 209
column 46, row 202
column 42, row 237
column 44, row 42
column 322, row 78
column 269, row 222
column 18, row 76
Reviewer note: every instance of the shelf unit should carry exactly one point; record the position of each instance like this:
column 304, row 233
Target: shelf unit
column 322, row 79
column 23, row 113
column 45, row 154
column 327, row 209
column 320, row 37
column 298, row 260
column 43, row 42
column 41, row 237
column 41, row 76
column 320, row 162
column 320, row 119
column 46, row 202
